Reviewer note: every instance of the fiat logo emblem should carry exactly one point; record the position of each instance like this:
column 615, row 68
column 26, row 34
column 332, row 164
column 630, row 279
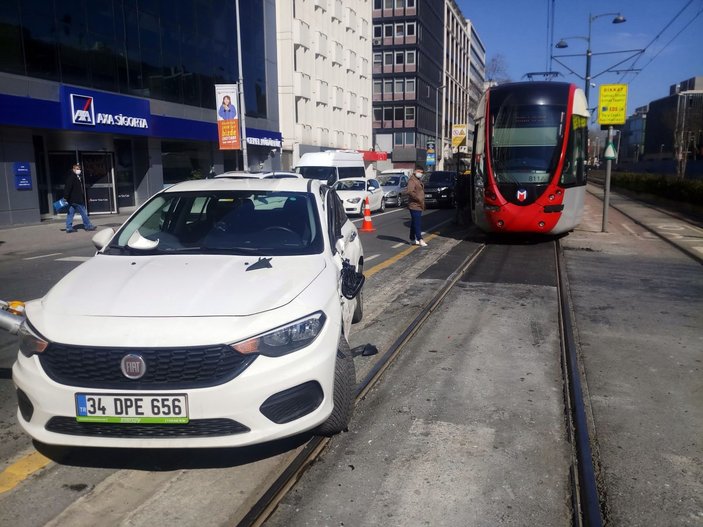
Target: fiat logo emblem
column 133, row 366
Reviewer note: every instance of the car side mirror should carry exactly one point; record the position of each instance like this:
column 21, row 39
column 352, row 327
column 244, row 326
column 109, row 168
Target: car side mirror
column 352, row 281
column 102, row 237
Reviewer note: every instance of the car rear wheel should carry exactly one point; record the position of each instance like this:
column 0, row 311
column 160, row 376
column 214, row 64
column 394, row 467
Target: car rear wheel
column 383, row 205
column 343, row 396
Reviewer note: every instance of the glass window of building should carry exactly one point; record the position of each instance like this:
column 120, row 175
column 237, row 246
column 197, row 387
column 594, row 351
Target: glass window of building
column 388, row 30
column 410, row 138
column 398, row 113
column 410, row 29
column 377, row 58
column 410, row 56
column 387, row 113
column 410, row 85
column 388, row 58
column 399, row 83
column 400, row 30
column 388, row 86
column 377, row 4
column 377, row 87
column 410, row 113
column 399, row 57
column 377, row 114
column 388, row 4
column 377, row 31
column 410, row 3
column 398, row 138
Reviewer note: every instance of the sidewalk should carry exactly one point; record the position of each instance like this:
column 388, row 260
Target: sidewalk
column 51, row 233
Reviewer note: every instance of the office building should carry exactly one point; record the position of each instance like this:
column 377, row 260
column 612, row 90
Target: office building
column 324, row 73
column 126, row 89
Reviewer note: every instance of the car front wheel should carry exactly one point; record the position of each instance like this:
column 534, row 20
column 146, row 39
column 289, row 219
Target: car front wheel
column 343, row 396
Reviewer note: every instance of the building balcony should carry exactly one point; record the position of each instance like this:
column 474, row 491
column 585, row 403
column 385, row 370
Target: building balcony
column 321, row 4
column 301, row 33
column 321, row 44
column 351, row 20
column 301, row 85
column 336, row 9
column 303, row 133
column 323, row 93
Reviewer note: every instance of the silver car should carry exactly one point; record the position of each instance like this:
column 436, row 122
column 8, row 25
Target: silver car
column 395, row 188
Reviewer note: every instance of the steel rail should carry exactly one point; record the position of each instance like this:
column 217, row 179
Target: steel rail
column 587, row 509
column 270, row 499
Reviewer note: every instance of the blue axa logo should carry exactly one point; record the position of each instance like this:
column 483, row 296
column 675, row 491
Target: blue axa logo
column 82, row 110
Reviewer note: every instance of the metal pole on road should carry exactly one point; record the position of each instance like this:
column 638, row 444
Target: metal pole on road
column 606, row 186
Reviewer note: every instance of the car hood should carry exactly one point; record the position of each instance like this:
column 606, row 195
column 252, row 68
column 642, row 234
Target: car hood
column 180, row 285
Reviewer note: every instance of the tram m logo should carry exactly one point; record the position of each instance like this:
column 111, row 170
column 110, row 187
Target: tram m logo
column 82, row 110
column 521, row 195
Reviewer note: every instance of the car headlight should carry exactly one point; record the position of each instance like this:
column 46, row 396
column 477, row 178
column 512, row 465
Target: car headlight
column 353, row 200
column 285, row 339
column 30, row 342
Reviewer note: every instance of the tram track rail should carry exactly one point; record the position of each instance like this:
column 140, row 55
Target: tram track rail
column 273, row 495
column 586, row 502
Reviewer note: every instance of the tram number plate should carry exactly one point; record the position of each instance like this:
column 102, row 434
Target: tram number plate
column 428, row 196
column 136, row 409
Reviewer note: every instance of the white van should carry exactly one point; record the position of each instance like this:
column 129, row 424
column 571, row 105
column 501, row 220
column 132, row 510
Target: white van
column 331, row 165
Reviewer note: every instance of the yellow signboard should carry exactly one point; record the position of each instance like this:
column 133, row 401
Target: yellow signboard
column 458, row 135
column 612, row 104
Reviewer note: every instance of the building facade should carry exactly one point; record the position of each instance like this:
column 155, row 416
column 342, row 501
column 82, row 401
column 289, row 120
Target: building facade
column 428, row 65
column 632, row 136
column 324, row 73
column 126, row 89
column 464, row 72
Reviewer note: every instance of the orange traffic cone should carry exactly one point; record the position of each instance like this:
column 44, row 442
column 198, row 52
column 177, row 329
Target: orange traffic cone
column 367, row 226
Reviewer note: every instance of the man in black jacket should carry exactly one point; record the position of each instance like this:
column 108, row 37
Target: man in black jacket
column 73, row 193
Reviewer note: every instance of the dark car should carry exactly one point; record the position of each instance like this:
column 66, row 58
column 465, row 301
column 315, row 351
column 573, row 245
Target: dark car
column 439, row 188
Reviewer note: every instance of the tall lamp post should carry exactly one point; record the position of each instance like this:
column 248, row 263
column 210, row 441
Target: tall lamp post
column 619, row 19
column 436, row 125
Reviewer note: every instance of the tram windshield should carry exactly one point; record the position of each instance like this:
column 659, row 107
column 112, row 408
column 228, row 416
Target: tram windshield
column 526, row 141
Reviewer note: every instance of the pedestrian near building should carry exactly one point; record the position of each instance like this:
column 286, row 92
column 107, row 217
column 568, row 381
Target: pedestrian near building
column 74, row 194
column 416, row 204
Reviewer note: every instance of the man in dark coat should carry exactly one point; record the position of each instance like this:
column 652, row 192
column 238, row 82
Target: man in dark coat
column 73, row 193
column 416, row 204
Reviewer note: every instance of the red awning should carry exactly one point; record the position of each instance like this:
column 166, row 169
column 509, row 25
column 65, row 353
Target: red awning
column 373, row 155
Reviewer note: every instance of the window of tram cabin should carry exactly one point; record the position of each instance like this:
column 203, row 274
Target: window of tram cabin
column 573, row 173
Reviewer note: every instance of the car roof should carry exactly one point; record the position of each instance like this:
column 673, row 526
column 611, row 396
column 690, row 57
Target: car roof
column 284, row 184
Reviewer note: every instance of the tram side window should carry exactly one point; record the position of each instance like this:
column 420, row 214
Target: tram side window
column 477, row 168
column 573, row 173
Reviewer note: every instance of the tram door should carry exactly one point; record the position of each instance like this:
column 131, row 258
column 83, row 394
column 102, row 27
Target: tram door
column 99, row 171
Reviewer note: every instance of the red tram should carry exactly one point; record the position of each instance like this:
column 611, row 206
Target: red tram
column 528, row 163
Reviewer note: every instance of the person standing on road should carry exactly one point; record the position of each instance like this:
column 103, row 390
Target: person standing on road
column 416, row 204
column 74, row 194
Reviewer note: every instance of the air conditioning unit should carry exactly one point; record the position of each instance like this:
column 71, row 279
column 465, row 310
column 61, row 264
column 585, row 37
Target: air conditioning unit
column 376, row 41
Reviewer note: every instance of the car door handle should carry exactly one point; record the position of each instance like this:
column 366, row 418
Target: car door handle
column 352, row 236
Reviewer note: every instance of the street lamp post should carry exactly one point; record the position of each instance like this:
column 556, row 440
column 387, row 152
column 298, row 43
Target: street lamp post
column 436, row 125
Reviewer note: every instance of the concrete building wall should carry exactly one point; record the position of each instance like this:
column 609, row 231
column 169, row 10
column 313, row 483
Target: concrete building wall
column 324, row 75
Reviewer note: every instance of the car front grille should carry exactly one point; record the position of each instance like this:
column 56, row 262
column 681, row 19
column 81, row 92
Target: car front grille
column 194, row 428
column 166, row 368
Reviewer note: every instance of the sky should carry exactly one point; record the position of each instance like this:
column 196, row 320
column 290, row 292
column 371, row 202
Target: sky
column 517, row 30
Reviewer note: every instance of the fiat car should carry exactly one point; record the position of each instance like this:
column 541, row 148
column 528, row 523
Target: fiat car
column 217, row 315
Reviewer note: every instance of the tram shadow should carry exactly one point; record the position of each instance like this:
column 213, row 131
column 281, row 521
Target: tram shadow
column 169, row 459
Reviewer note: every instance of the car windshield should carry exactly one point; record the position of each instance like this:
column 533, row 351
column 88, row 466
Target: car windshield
column 350, row 184
column 443, row 178
column 265, row 223
column 321, row 173
column 389, row 181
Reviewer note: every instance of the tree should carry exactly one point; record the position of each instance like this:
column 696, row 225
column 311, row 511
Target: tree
column 497, row 70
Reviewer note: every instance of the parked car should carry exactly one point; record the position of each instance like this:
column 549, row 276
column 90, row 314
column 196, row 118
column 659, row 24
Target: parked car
column 217, row 315
column 237, row 174
column 331, row 165
column 395, row 188
column 439, row 188
column 354, row 191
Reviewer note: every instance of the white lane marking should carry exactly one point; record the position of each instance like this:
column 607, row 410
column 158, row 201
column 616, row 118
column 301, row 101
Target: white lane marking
column 41, row 256
column 371, row 257
column 699, row 249
column 400, row 244
column 628, row 229
column 74, row 259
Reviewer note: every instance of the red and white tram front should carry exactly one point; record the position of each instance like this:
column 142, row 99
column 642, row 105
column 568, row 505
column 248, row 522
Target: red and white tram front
column 528, row 164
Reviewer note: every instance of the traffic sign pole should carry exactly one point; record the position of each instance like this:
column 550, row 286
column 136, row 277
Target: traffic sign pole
column 606, row 187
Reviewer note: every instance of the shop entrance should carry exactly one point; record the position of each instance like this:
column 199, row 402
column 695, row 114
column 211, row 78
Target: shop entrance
column 98, row 175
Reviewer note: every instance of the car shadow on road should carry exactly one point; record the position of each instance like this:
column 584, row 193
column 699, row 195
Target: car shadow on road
column 391, row 239
column 167, row 459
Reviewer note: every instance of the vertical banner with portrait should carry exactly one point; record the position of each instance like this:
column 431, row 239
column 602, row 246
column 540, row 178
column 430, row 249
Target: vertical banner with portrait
column 226, row 97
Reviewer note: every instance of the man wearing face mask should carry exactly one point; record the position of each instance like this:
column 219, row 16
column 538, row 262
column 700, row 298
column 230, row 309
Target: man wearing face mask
column 74, row 194
column 416, row 204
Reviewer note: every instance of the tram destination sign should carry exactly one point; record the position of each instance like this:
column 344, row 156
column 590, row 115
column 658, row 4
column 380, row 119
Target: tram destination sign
column 612, row 104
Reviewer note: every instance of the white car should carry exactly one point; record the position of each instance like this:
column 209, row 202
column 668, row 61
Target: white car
column 217, row 315
column 354, row 191
column 238, row 174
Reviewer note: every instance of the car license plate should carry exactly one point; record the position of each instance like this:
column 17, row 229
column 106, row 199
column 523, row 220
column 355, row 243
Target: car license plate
column 428, row 196
column 138, row 409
